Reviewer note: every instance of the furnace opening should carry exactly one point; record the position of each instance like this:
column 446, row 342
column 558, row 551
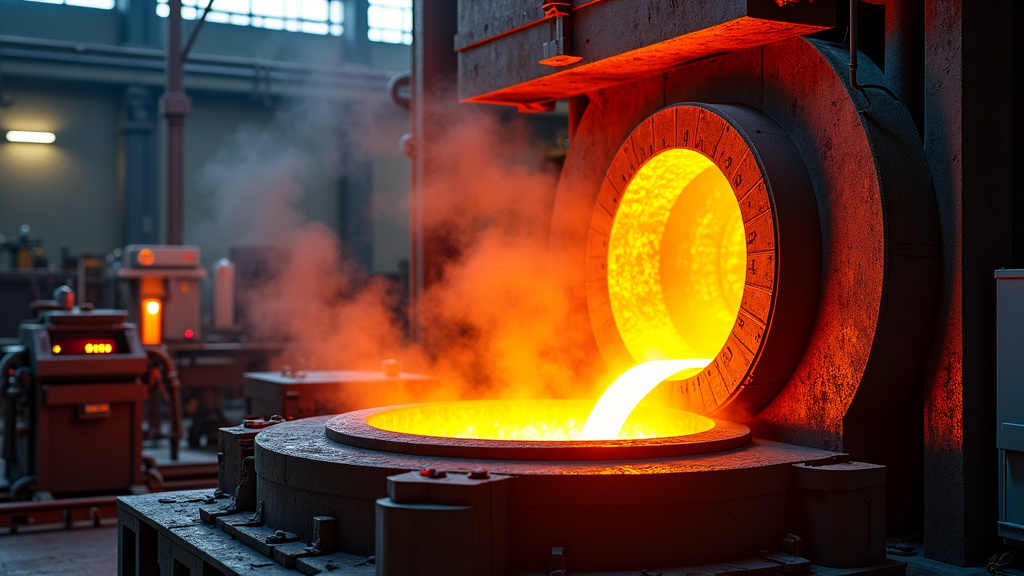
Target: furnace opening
column 676, row 259
column 543, row 420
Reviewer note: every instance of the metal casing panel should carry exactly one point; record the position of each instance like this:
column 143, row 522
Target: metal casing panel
column 322, row 392
column 182, row 309
column 129, row 364
column 78, row 453
column 500, row 43
column 1010, row 401
column 161, row 256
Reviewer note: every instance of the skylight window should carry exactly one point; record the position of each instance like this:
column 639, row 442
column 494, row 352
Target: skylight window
column 310, row 16
column 390, row 21
column 101, row 4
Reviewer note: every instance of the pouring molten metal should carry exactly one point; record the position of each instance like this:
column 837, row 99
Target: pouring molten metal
column 676, row 266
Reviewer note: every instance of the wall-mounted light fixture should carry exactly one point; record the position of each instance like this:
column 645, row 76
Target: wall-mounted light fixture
column 31, row 137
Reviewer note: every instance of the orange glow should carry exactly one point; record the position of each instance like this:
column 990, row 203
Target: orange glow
column 99, row 348
column 621, row 398
column 543, row 420
column 680, row 213
column 151, row 322
column 146, row 257
column 56, row 348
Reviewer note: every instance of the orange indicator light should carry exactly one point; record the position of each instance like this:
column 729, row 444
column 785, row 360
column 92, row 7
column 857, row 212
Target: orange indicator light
column 56, row 348
column 151, row 322
column 146, row 257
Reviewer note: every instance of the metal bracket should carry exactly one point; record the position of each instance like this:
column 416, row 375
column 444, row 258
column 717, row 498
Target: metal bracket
column 557, row 50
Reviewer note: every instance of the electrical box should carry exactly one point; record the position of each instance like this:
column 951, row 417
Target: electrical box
column 162, row 294
column 1010, row 402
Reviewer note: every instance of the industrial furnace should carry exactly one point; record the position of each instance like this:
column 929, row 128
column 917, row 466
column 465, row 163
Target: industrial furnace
column 748, row 215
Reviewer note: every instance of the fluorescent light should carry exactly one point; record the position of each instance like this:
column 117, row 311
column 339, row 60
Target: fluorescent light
column 33, row 137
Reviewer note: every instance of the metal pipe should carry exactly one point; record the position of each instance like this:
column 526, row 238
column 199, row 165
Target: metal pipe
column 175, row 109
column 195, row 32
column 862, row 88
column 174, row 384
column 854, row 17
column 7, row 508
column 159, row 56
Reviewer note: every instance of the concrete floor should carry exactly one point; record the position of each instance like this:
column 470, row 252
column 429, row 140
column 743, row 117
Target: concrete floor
column 93, row 552
column 77, row 552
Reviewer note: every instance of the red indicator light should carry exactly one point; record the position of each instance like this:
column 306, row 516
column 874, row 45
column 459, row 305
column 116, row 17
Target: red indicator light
column 189, row 333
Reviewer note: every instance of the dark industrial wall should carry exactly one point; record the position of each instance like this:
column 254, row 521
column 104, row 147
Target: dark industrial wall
column 101, row 184
column 68, row 192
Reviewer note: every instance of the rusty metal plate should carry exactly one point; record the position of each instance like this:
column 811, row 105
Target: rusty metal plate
column 500, row 44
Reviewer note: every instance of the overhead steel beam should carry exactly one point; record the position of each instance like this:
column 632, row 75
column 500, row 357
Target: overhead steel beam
column 107, row 64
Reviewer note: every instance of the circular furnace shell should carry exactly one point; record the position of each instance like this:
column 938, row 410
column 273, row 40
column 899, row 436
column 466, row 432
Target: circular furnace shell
column 879, row 281
column 782, row 240
column 609, row 515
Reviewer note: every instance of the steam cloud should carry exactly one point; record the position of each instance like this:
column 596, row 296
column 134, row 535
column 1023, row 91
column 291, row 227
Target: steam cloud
column 495, row 324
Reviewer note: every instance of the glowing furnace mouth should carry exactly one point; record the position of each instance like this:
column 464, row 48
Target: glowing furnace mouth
column 529, row 430
column 704, row 242
column 676, row 258
column 529, row 420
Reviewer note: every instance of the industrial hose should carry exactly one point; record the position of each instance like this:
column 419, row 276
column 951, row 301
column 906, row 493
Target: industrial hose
column 161, row 356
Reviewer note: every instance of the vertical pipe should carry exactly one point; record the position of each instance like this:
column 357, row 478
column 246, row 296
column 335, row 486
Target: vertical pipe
column 434, row 72
column 175, row 107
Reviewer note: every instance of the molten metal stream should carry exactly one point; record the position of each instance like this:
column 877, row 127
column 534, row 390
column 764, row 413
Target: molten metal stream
column 621, row 398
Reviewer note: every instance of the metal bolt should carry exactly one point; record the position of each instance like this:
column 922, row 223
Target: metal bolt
column 433, row 473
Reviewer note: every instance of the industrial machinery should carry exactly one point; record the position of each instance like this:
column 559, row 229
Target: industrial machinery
column 736, row 192
column 163, row 295
column 300, row 394
column 74, row 396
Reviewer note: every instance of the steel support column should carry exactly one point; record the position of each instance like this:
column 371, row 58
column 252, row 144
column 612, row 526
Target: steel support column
column 139, row 166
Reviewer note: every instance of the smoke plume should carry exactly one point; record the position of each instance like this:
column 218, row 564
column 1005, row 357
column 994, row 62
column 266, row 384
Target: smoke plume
column 495, row 322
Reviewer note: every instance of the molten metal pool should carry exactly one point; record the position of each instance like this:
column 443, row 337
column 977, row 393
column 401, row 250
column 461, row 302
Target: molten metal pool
column 538, row 420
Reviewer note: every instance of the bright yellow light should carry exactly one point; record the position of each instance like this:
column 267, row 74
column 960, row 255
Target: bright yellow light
column 152, row 322
column 108, row 348
column 31, row 137
column 88, row 348
column 621, row 398
column 536, row 420
column 56, row 348
column 676, row 259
